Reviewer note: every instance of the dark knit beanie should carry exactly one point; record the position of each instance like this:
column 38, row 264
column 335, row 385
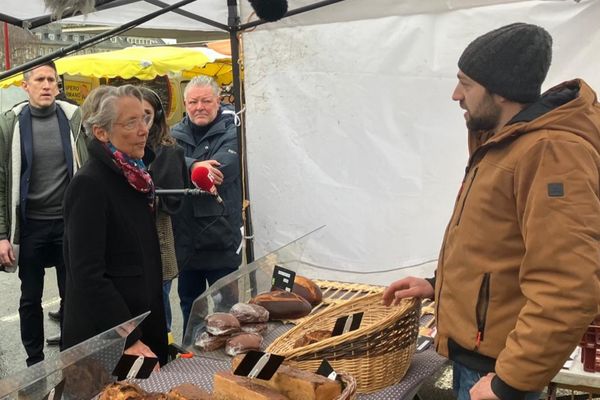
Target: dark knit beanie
column 511, row 61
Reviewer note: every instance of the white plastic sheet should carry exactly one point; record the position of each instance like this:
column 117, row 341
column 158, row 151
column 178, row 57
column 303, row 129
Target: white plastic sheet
column 352, row 125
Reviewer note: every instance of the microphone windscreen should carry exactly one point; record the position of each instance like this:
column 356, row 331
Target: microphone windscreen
column 202, row 180
column 269, row 10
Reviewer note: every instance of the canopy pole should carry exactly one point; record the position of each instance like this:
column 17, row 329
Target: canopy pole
column 6, row 47
column 234, row 23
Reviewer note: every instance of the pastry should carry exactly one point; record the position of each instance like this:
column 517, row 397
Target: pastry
column 259, row 328
column 220, row 324
column 249, row 313
column 208, row 342
column 243, row 343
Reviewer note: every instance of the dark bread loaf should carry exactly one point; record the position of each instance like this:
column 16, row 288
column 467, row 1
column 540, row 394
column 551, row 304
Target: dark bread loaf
column 249, row 313
column 220, row 324
column 307, row 289
column 243, row 343
column 208, row 342
column 283, row 305
column 188, row 391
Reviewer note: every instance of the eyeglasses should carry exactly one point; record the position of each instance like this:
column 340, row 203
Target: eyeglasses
column 133, row 123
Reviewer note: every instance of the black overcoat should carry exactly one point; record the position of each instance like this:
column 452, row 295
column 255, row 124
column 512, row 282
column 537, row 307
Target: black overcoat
column 112, row 257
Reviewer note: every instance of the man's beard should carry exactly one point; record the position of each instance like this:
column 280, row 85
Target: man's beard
column 488, row 115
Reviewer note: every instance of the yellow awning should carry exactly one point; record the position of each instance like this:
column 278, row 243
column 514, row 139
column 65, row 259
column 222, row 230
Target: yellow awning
column 144, row 63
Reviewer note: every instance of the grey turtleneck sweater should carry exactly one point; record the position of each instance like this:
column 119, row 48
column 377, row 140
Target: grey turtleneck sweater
column 49, row 174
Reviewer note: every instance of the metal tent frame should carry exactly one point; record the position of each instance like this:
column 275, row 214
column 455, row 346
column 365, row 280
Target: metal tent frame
column 233, row 28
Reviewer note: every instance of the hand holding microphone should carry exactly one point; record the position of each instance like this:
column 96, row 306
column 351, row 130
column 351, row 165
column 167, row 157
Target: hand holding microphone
column 211, row 165
column 205, row 180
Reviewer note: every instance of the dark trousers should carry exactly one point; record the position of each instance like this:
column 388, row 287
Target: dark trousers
column 41, row 247
column 192, row 283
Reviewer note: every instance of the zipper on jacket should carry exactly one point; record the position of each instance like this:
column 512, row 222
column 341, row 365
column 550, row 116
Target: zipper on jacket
column 483, row 301
column 462, row 207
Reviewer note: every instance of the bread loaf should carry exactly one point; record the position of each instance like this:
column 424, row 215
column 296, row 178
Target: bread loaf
column 227, row 386
column 297, row 384
column 208, row 342
column 283, row 305
column 312, row 337
column 243, row 343
column 249, row 313
column 220, row 324
column 122, row 391
column 187, row 391
column 308, row 290
column 259, row 328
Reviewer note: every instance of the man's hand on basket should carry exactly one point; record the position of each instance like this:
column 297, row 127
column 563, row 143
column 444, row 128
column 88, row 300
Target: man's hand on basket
column 483, row 389
column 407, row 287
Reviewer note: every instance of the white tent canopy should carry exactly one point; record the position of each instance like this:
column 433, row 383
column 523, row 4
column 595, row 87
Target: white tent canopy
column 350, row 121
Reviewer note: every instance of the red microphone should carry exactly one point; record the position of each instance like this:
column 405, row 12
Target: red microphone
column 204, row 180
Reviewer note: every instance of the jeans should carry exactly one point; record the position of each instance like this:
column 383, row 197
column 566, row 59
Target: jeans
column 41, row 247
column 167, row 303
column 464, row 378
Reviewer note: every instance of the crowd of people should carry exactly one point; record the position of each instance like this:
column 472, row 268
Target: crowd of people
column 78, row 189
column 517, row 281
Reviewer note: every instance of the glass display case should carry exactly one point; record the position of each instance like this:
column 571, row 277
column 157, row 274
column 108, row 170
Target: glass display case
column 256, row 277
column 80, row 371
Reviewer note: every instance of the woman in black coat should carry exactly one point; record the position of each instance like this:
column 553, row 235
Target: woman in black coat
column 111, row 246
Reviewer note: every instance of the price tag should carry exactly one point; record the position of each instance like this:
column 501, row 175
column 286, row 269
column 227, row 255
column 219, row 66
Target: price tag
column 134, row 367
column 257, row 364
column 283, row 279
column 347, row 323
column 326, row 370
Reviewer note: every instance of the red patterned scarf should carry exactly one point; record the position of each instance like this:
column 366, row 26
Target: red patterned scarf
column 135, row 172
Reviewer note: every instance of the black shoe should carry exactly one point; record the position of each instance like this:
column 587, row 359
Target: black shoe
column 53, row 340
column 54, row 315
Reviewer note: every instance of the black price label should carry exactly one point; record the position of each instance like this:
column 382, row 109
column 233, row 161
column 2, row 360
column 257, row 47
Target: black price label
column 134, row 367
column 347, row 323
column 283, row 279
column 326, row 370
column 257, row 364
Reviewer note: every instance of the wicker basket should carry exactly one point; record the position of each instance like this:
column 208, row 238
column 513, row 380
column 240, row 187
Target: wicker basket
column 349, row 392
column 377, row 354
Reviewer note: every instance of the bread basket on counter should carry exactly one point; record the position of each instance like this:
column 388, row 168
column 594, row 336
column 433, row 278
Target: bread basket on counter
column 349, row 382
column 377, row 354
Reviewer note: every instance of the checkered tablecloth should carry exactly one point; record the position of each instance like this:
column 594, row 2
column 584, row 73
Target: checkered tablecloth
column 199, row 370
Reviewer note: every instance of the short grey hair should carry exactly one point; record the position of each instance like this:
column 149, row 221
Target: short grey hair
column 107, row 111
column 202, row 81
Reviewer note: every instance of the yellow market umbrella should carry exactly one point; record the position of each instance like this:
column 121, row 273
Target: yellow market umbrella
column 144, row 63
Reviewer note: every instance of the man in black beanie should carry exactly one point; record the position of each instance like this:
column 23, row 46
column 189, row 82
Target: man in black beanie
column 517, row 281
